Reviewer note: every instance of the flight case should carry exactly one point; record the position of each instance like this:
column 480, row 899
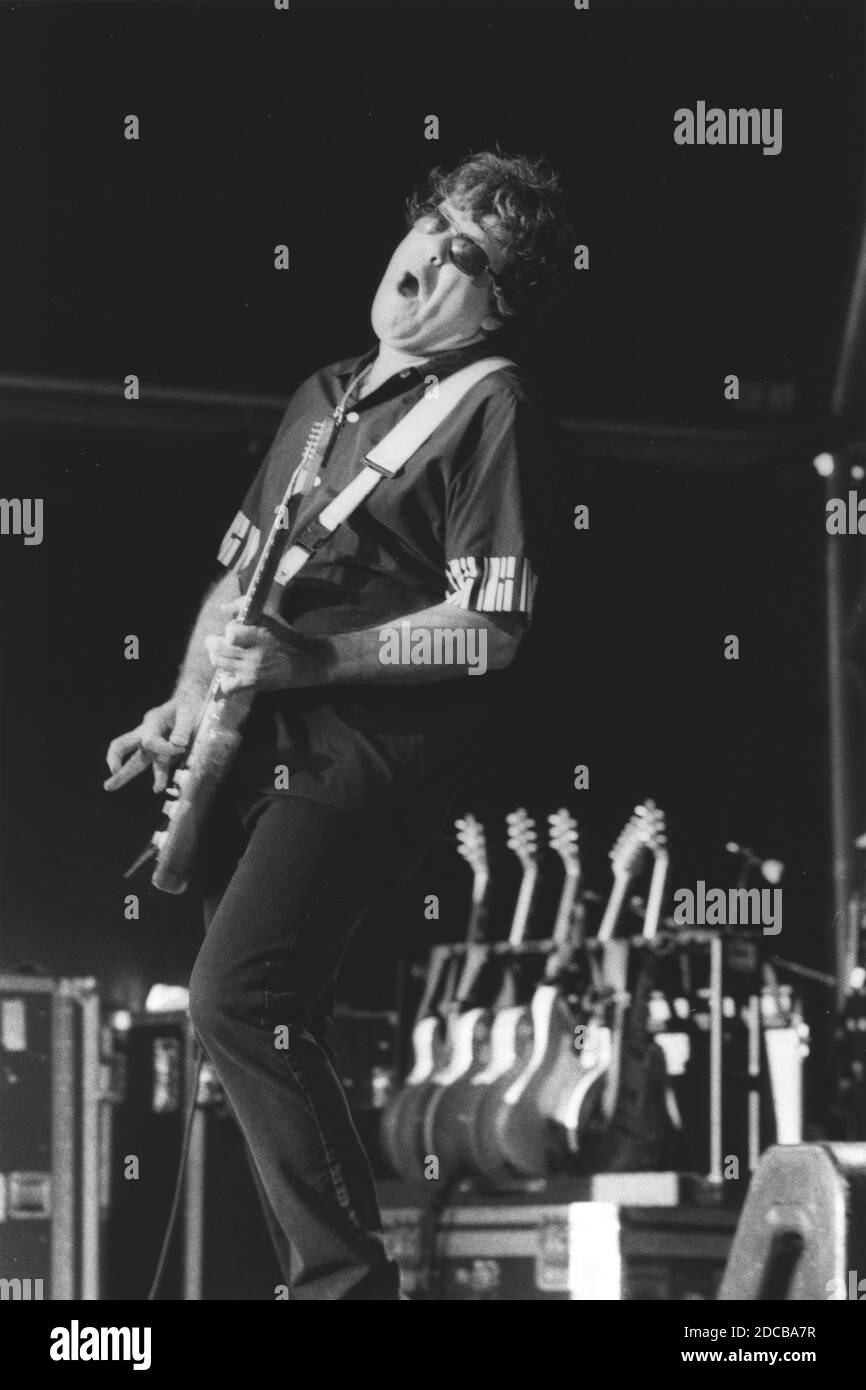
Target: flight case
column 53, row 1138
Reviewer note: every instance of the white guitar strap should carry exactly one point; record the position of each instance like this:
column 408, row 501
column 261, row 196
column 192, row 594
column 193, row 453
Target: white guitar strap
column 385, row 460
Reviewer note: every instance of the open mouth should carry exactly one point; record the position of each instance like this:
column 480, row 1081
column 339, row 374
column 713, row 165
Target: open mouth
column 408, row 286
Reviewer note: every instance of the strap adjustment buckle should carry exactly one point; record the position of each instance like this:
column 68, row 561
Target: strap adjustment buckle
column 312, row 536
column 382, row 469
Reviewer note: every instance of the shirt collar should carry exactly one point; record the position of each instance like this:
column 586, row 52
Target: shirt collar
column 441, row 364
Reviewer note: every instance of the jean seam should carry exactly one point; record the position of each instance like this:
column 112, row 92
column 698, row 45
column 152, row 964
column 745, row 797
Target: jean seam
column 264, row 1017
column 334, row 1173
column 339, row 1185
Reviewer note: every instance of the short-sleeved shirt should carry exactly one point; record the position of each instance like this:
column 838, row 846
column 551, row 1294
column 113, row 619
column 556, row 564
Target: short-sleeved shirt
column 465, row 523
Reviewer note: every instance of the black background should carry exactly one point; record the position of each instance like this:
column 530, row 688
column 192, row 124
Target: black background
column 156, row 257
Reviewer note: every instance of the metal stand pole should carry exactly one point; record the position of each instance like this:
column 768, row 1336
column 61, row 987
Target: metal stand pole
column 754, row 1036
column 716, row 1173
column 839, row 741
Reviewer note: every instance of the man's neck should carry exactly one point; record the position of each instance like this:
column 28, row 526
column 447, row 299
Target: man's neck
column 389, row 361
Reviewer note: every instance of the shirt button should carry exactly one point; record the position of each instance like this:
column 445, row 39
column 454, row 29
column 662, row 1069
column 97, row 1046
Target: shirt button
column 317, row 482
column 353, row 417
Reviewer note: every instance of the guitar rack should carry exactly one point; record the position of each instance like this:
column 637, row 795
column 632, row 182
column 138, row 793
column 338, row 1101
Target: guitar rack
column 673, row 939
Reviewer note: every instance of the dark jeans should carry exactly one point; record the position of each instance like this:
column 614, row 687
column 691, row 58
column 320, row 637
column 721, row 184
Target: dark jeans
column 280, row 917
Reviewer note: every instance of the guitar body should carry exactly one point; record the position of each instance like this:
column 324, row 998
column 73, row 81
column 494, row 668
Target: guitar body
column 640, row 1134
column 446, row 1036
column 401, row 1131
column 511, row 1050
column 530, row 1140
column 194, row 786
column 408, row 1146
column 575, row 1105
column 641, row 1137
column 449, row 1111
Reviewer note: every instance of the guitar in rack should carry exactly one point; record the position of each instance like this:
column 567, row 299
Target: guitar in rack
column 439, row 985
column 575, row 1107
column 527, row 1138
column 511, row 1034
column 402, row 1129
column 641, row 1134
column 467, row 1045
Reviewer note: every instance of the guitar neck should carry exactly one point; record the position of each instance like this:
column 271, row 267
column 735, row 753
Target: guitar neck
column 523, row 907
column 478, row 907
column 439, row 959
column 638, row 1014
column 452, row 980
column 656, row 894
column 614, row 907
column 258, row 590
column 563, row 941
column 476, row 951
column 477, row 956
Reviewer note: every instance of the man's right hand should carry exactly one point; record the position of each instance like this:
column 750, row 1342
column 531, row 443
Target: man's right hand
column 160, row 739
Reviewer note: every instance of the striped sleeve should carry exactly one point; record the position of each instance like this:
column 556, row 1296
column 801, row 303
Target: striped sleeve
column 239, row 548
column 499, row 507
column 240, row 543
column 496, row 584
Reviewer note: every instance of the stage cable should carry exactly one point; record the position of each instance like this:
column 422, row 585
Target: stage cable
column 181, row 1170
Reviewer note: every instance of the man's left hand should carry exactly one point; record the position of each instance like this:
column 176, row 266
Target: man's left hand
column 269, row 656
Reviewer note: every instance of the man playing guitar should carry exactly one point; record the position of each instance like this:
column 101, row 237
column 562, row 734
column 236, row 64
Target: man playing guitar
column 347, row 761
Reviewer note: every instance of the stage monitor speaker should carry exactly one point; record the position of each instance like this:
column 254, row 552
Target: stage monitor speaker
column 802, row 1232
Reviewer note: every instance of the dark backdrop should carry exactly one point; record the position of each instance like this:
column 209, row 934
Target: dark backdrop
column 307, row 127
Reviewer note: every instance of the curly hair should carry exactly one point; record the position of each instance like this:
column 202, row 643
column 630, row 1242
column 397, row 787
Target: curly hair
column 525, row 197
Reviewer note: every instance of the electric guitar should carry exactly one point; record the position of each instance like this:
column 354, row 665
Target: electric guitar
column 511, row 1033
column 527, row 1139
column 467, row 1043
column 451, row 1115
column 194, row 784
column 638, row 1133
column 402, row 1131
column 575, row 1109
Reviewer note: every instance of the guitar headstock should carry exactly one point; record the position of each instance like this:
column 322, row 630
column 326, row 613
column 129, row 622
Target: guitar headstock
column 644, row 834
column 629, row 850
column 522, row 837
column 654, row 834
column 472, row 844
column 652, row 828
column 564, row 839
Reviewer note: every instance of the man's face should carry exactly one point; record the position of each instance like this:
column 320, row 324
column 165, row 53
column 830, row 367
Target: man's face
column 424, row 304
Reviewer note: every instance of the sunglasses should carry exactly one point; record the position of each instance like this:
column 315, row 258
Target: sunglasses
column 469, row 258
